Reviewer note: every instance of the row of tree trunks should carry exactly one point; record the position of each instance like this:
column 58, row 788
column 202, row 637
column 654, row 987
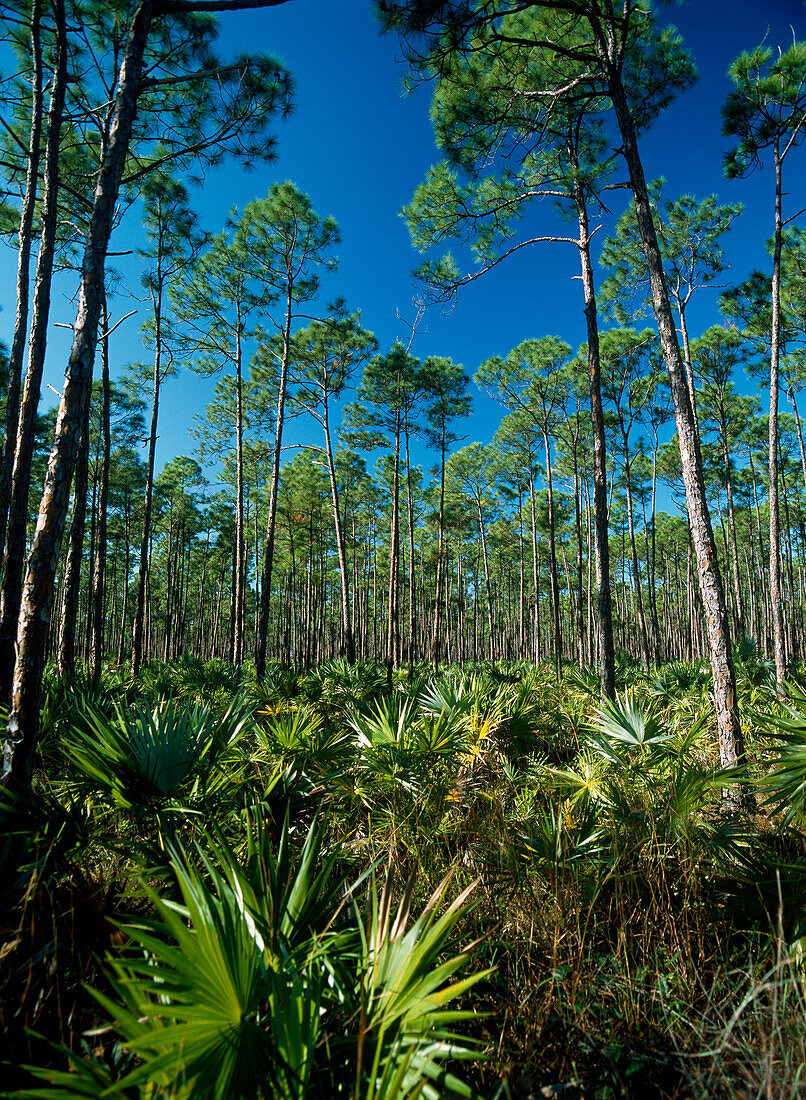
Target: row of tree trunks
column 38, row 589
column 14, row 551
column 17, row 349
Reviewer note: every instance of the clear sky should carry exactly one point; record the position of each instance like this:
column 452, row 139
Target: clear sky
column 359, row 146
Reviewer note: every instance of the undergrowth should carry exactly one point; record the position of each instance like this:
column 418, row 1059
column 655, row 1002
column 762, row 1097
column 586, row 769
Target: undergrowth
column 480, row 883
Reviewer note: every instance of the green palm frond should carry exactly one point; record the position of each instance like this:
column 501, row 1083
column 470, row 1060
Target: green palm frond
column 584, row 782
column 302, row 737
column 405, row 987
column 584, row 680
column 141, row 756
column 785, row 782
column 86, row 1079
column 621, row 728
column 262, row 978
column 388, row 722
column 556, row 842
column 448, row 695
column 440, row 738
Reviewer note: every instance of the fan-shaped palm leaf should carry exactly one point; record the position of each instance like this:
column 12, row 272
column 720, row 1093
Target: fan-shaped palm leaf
column 140, row 756
column 623, row 727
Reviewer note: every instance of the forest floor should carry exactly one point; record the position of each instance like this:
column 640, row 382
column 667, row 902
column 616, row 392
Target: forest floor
column 482, row 883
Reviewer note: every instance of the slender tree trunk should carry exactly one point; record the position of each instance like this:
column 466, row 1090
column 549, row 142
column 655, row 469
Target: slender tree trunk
column 731, row 742
column 692, row 393
column 394, row 554
column 231, row 623
column 412, row 563
column 653, row 599
column 487, row 587
column 798, row 431
column 93, row 507
column 14, row 551
column 521, row 582
column 604, row 613
column 271, row 521
column 256, row 609
column 170, row 568
column 737, row 579
column 24, row 261
column 126, row 570
column 639, row 596
column 776, row 605
column 239, row 520
column 66, row 646
column 555, row 587
column 580, row 584
column 437, row 638
column 346, row 617
column 39, row 584
column 535, row 575
column 592, row 635
column 142, row 570
column 790, row 626
column 99, row 575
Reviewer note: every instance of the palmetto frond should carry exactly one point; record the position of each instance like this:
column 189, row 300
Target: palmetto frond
column 785, row 782
column 621, row 728
column 140, row 756
column 265, row 979
column 302, row 737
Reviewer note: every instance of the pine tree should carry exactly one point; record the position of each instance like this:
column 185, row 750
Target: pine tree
column 766, row 111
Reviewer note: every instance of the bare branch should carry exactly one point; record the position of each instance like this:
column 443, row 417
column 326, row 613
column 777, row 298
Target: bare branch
column 109, row 331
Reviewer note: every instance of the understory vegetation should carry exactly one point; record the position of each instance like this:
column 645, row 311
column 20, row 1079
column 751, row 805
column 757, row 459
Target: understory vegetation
column 479, row 882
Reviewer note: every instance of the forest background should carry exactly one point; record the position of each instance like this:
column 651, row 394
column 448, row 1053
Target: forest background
column 359, row 145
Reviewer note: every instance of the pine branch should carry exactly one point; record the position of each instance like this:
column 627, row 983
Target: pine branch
column 169, row 6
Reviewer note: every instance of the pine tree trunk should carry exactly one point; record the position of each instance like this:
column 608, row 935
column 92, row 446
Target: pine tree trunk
column 126, row 568
column 142, row 569
column 239, row 515
column 99, row 573
column 412, row 563
column 169, row 603
column 394, row 554
column 776, row 605
column 437, row 638
column 790, row 596
column 580, row 584
column 14, row 550
column 24, row 259
column 653, row 599
column 762, row 585
column 555, row 586
column 521, row 582
column 734, row 547
column 535, row 577
column 37, row 596
column 639, row 596
column 604, row 611
column 66, row 646
column 346, row 619
column 271, row 521
column 731, row 742
column 798, row 431
column 487, row 586
column 692, row 393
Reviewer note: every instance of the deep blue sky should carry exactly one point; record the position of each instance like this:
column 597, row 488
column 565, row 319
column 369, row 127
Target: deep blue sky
column 359, row 146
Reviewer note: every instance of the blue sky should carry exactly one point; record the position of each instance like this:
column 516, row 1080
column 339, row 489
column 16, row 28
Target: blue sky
column 359, row 146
